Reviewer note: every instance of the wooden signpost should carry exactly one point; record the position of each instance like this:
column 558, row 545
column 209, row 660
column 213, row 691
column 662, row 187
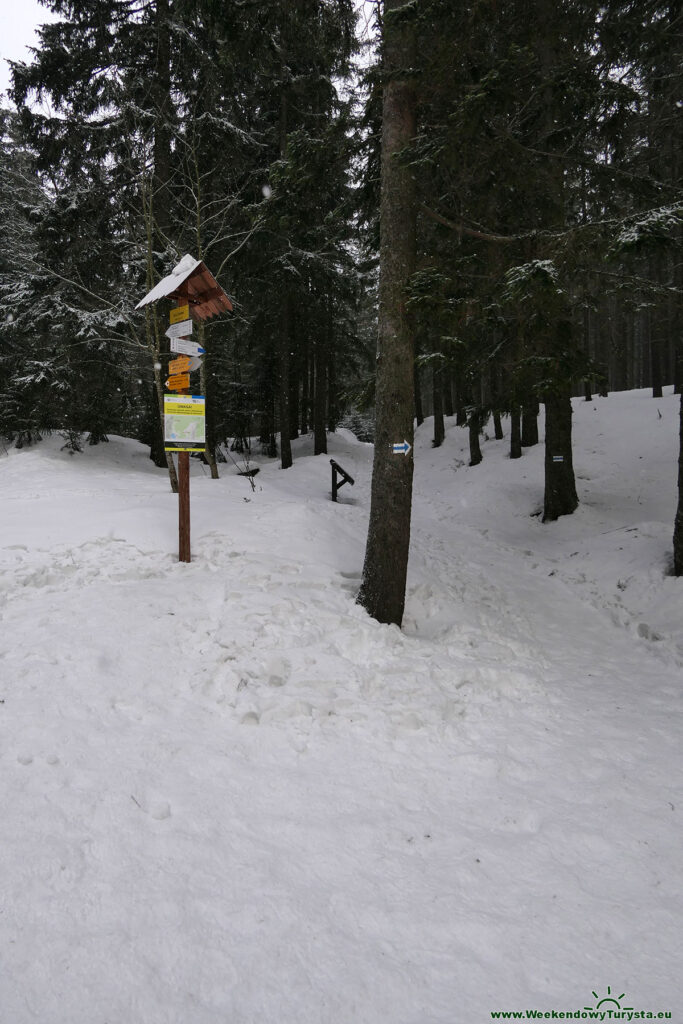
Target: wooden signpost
column 198, row 297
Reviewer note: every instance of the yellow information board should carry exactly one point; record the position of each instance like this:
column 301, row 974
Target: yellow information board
column 184, row 423
column 179, row 313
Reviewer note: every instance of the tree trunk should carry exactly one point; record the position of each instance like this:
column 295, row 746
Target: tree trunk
column 437, row 401
column 460, row 402
column 530, row 423
column 515, row 433
column 172, row 475
column 497, row 426
column 206, row 389
column 383, row 586
column 267, row 410
column 419, row 412
column 293, row 399
column 447, row 392
column 560, row 497
column 320, row 399
column 283, row 411
column 161, row 91
column 678, row 523
column 474, row 428
column 286, row 317
column 305, row 385
column 332, row 405
column 655, row 358
column 160, row 200
column 494, row 385
column 656, row 338
column 156, row 440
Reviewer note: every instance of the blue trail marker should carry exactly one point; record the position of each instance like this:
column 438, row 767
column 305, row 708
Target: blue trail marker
column 401, row 448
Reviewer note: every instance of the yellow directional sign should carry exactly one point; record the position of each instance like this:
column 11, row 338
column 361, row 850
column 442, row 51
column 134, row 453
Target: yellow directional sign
column 179, row 313
column 180, row 365
column 178, row 382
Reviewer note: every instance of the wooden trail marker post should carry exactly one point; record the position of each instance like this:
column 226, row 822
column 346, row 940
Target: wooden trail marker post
column 198, row 297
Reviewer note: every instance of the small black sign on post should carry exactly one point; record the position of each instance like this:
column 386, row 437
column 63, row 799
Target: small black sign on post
column 338, row 472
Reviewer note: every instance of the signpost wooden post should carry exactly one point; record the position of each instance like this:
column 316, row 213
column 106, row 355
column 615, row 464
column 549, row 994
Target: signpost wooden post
column 198, row 296
column 184, row 553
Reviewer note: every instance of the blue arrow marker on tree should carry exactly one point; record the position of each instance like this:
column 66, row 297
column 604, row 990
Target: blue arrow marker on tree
column 402, row 448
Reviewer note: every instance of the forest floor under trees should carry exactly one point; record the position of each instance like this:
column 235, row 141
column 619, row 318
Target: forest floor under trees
column 230, row 796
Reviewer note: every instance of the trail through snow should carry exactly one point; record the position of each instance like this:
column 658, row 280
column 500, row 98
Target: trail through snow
column 231, row 796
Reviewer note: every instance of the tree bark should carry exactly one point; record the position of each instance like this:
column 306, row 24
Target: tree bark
column 515, row 433
column 655, row 355
column 305, row 385
column 332, row 404
column 293, row 398
column 474, row 425
column 497, row 426
column 156, row 440
column 285, row 442
column 447, row 389
column 172, row 475
column 320, row 399
column 530, row 423
column 460, row 402
column 678, row 523
column 437, row 401
column 494, row 385
column 383, row 585
column 419, row 412
column 560, row 497
column 163, row 108
column 267, row 412
column 206, row 389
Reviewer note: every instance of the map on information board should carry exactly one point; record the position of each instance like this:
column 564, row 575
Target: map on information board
column 184, row 423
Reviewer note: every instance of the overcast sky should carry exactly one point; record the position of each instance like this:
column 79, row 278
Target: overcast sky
column 19, row 21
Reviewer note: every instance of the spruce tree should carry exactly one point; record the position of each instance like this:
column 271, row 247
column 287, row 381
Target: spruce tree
column 383, row 586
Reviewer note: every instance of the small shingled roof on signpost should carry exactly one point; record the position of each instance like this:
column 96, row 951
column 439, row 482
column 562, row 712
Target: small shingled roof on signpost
column 190, row 283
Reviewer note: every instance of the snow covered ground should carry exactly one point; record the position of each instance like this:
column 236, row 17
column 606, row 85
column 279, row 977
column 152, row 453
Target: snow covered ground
column 228, row 795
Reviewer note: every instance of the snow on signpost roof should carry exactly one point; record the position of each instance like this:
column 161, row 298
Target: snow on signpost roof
column 193, row 281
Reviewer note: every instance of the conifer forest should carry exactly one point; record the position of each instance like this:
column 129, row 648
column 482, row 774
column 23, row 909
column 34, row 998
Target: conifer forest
column 535, row 182
column 341, row 512
column 492, row 190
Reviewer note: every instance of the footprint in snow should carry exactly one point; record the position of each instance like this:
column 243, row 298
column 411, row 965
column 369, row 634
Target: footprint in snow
column 157, row 809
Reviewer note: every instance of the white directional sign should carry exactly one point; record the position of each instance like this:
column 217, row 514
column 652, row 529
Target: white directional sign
column 188, row 348
column 181, row 330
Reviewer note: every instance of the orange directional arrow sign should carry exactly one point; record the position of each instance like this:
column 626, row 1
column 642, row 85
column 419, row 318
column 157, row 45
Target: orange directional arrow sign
column 178, row 382
column 179, row 365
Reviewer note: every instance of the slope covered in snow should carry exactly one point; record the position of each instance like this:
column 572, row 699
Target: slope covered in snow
column 229, row 795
